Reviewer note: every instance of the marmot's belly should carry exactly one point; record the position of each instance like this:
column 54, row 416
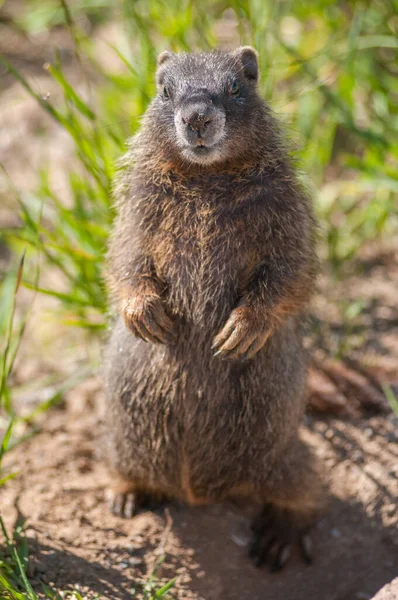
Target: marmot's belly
column 201, row 286
column 195, row 426
column 226, row 427
column 203, row 302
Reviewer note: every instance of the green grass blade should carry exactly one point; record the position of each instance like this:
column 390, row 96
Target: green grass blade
column 6, row 440
column 8, row 477
column 390, row 397
column 29, row 590
column 70, row 93
column 163, row 590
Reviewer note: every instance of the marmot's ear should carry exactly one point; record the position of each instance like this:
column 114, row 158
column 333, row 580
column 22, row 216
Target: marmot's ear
column 248, row 56
column 164, row 56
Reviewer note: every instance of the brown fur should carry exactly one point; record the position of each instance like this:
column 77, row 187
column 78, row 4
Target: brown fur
column 209, row 259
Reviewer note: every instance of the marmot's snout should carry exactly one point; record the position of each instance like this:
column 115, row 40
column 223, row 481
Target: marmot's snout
column 200, row 125
column 197, row 120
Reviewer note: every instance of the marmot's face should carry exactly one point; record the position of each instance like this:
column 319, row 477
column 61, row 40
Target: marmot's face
column 207, row 102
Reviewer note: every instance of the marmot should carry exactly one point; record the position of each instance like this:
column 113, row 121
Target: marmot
column 212, row 262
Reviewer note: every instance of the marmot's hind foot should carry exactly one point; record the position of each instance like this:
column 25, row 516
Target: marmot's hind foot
column 127, row 504
column 275, row 531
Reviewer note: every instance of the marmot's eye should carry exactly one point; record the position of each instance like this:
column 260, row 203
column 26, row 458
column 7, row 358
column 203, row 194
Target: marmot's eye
column 235, row 89
column 166, row 94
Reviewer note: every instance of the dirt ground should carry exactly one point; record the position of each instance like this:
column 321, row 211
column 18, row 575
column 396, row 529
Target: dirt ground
column 60, row 491
column 75, row 540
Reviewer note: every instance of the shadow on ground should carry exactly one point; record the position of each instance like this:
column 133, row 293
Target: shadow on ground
column 74, row 540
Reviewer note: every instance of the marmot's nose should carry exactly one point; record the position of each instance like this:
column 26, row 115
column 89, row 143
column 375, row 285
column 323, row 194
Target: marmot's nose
column 196, row 120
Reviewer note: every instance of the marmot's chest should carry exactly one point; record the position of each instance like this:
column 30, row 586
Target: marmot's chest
column 205, row 255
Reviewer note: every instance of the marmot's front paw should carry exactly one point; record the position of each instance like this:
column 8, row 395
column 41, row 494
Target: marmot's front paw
column 242, row 336
column 145, row 316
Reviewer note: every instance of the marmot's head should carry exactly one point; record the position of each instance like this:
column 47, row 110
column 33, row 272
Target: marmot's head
column 207, row 104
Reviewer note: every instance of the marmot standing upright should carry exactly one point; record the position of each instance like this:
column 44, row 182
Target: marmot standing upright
column 212, row 261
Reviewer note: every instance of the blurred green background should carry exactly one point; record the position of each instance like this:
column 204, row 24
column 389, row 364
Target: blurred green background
column 328, row 69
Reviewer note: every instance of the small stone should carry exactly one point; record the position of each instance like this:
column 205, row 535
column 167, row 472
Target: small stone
column 357, row 456
column 40, row 567
column 134, row 561
column 241, row 534
column 241, row 541
column 31, row 534
column 391, row 509
column 336, row 533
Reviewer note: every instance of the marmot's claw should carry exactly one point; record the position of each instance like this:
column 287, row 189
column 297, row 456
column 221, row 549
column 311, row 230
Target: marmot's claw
column 135, row 331
column 280, row 557
column 239, row 345
column 149, row 321
column 240, row 338
column 151, row 332
column 275, row 531
column 123, row 504
column 305, row 542
column 233, row 341
column 128, row 504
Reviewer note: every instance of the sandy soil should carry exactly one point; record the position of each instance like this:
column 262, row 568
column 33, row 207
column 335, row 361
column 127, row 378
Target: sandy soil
column 73, row 538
